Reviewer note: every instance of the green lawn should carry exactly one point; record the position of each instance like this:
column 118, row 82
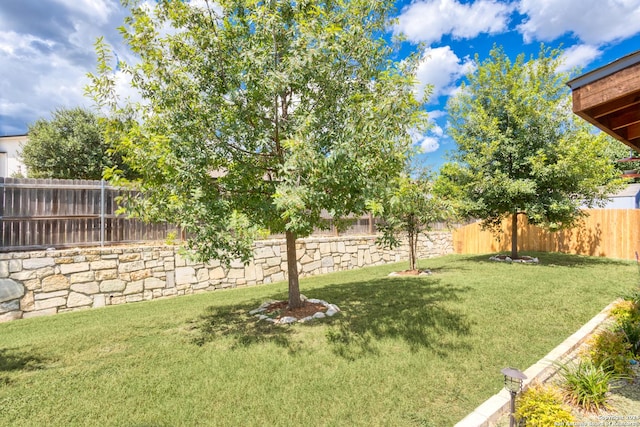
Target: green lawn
column 404, row 351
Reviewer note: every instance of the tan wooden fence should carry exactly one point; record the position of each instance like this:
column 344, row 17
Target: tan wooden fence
column 612, row 233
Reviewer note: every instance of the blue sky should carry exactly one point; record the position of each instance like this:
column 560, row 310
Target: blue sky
column 46, row 47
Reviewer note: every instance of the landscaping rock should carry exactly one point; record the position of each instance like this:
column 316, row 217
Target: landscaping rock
column 522, row 260
column 35, row 263
column 332, row 309
column 7, row 306
column 106, row 276
column 10, row 290
column 78, row 300
column 56, row 282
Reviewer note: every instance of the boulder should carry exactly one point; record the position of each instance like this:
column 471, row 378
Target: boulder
column 10, row 290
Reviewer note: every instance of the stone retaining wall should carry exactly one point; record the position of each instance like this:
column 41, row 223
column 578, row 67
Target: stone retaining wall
column 54, row 281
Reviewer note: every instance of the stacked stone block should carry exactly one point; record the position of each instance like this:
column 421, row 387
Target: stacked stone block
column 54, row 281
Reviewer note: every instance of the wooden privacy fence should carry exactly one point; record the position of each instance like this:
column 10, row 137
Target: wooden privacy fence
column 612, row 233
column 43, row 213
column 59, row 213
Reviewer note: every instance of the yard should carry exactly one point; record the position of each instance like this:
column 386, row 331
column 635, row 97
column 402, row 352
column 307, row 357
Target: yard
column 403, row 351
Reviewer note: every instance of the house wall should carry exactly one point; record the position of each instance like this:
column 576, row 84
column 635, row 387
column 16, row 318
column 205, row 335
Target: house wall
column 10, row 148
column 629, row 202
column 54, row 281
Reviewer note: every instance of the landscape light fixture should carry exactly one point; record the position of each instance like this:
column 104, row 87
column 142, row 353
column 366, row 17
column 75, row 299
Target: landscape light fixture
column 513, row 379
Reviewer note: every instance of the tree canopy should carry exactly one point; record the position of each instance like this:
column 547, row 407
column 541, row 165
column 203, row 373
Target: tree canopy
column 258, row 115
column 69, row 146
column 408, row 210
column 520, row 150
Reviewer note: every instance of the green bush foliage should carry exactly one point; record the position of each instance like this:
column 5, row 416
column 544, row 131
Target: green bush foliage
column 631, row 331
column 626, row 314
column 70, row 145
column 634, row 297
column 627, row 309
column 542, row 406
column 586, row 384
column 611, row 350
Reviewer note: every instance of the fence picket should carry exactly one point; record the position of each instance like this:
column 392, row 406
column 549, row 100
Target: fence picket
column 42, row 213
column 56, row 213
column 612, row 233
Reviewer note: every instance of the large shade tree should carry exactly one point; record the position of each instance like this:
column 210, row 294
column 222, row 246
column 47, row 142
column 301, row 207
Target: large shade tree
column 521, row 151
column 260, row 114
column 69, row 145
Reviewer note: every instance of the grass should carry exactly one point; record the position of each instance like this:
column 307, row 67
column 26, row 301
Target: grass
column 403, row 352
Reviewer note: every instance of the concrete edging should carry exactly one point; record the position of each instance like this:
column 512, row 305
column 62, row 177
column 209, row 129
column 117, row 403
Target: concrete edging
column 489, row 412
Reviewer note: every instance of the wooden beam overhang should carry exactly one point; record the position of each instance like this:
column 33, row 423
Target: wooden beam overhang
column 609, row 98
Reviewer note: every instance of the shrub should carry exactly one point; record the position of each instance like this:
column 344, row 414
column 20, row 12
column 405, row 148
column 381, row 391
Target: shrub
column 631, row 331
column 634, row 297
column 626, row 314
column 626, row 310
column 542, row 406
column 610, row 350
column 586, row 384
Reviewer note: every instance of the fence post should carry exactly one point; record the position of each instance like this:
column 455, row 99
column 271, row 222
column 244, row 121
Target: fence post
column 2, row 242
column 102, row 211
column 1, row 198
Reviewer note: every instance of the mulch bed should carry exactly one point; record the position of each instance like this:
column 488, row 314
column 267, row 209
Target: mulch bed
column 282, row 309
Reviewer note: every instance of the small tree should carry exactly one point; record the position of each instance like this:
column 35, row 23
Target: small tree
column 409, row 211
column 258, row 115
column 521, row 151
column 69, row 146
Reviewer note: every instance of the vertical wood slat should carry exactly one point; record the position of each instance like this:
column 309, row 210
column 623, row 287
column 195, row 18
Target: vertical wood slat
column 613, row 233
column 62, row 213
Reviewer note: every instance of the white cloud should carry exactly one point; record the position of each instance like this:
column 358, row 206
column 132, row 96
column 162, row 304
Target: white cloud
column 591, row 21
column 578, row 56
column 98, row 10
column 441, row 68
column 46, row 50
column 17, row 45
column 429, row 144
column 436, row 130
column 436, row 114
column 206, row 5
column 427, row 21
column 429, row 141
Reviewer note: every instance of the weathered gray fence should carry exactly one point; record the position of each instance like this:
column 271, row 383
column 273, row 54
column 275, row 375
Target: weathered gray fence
column 44, row 213
column 59, row 213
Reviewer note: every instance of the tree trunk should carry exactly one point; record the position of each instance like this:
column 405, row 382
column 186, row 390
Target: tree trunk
column 514, row 235
column 292, row 267
column 412, row 251
column 416, row 234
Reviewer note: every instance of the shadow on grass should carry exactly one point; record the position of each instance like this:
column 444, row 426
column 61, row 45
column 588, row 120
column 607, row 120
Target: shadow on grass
column 15, row 359
column 555, row 259
column 416, row 311
column 236, row 323
column 413, row 310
